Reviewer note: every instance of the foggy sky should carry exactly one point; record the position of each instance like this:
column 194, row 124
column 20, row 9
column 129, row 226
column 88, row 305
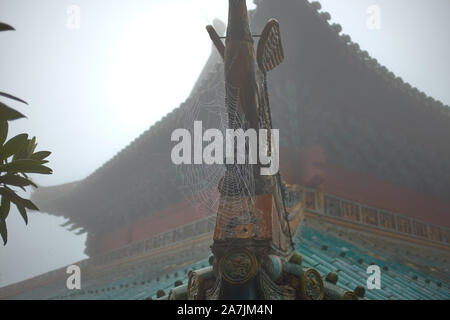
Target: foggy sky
column 94, row 89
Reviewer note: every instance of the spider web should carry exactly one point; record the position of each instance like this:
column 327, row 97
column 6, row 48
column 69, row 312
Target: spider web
column 218, row 107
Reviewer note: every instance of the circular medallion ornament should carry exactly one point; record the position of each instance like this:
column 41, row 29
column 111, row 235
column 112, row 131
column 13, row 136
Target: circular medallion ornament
column 194, row 287
column 238, row 266
column 312, row 285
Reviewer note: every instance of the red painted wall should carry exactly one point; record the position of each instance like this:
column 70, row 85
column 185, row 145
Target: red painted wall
column 375, row 193
column 362, row 188
column 173, row 217
column 306, row 167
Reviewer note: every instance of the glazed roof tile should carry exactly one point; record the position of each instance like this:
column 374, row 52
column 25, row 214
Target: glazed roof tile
column 398, row 280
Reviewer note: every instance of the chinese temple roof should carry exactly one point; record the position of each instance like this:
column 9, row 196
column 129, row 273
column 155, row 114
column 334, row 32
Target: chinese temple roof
column 328, row 92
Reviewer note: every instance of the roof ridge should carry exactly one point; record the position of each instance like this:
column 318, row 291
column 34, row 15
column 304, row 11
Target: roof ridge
column 372, row 63
column 352, row 47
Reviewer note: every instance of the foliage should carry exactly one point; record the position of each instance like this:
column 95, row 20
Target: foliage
column 18, row 158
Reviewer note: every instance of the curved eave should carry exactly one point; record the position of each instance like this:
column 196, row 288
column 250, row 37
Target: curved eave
column 363, row 58
column 150, row 138
column 49, row 199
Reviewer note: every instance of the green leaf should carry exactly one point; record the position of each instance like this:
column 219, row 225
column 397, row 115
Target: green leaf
column 40, row 155
column 25, row 165
column 30, row 205
column 7, row 193
column 3, row 232
column 23, row 213
column 7, row 113
column 15, row 180
column 16, row 199
column 4, row 208
column 3, row 131
column 9, row 96
column 5, row 27
column 14, row 146
column 31, row 147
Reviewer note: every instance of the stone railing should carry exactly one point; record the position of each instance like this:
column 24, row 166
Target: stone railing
column 347, row 210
